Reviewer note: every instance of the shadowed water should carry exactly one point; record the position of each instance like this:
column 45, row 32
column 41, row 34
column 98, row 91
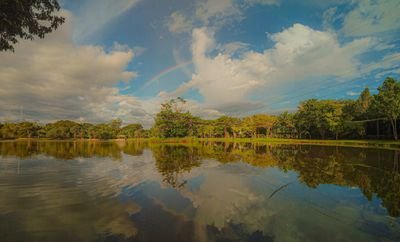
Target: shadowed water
column 106, row 191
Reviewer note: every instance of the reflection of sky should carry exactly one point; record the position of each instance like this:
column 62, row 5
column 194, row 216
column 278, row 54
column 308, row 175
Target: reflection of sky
column 238, row 194
column 215, row 195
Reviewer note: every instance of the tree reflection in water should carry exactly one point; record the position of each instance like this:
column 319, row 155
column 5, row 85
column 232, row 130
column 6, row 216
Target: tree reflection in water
column 374, row 171
column 173, row 160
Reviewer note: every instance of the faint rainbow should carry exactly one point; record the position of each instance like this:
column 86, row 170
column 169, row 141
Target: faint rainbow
column 166, row 72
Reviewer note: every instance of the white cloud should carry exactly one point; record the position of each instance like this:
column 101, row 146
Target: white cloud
column 234, row 47
column 371, row 17
column 55, row 79
column 201, row 110
column 217, row 13
column 386, row 73
column 262, row 2
column 300, row 53
column 178, row 23
column 94, row 14
column 239, row 204
column 351, row 93
column 388, row 62
column 219, row 9
column 213, row 14
column 225, row 11
column 330, row 17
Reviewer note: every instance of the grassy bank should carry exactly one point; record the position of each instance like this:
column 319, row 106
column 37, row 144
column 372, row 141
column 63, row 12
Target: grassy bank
column 353, row 143
column 391, row 144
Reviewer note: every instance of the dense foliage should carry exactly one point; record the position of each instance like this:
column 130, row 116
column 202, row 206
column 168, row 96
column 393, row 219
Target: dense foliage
column 317, row 119
column 66, row 129
column 25, row 19
column 171, row 121
column 369, row 116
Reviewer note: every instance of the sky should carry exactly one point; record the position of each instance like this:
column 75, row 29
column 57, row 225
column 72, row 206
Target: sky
column 123, row 58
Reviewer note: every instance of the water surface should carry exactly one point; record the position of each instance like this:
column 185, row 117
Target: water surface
column 105, row 191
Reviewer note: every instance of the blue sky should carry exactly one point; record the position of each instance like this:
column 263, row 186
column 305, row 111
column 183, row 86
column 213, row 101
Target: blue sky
column 237, row 57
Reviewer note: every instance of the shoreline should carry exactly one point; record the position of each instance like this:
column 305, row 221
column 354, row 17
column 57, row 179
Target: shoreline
column 391, row 144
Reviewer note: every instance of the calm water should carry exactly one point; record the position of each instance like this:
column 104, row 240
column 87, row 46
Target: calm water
column 82, row 191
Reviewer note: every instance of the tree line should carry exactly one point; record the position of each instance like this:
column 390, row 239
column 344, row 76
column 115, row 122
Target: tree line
column 369, row 116
column 317, row 119
column 66, row 129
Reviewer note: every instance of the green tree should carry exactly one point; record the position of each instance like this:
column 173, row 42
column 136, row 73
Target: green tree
column 85, row 129
column 260, row 122
column 349, row 128
column 171, row 121
column 311, row 118
column 25, row 19
column 27, row 129
column 77, row 131
column 322, row 118
column 285, row 125
column 115, row 125
column 363, row 102
column 207, row 129
column 63, row 129
column 226, row 123
column 132, row 130
column 9, row 131
column 104, row 131
column 387, row 102
column 334, row 118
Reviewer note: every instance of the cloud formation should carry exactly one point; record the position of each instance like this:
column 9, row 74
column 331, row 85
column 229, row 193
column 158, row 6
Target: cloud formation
column 213, row 14
column 94, row 14
column 262, row 2
column 299, row 53
column 372, row 17
column 55, row 79
column 216, row 9
column 178, row 23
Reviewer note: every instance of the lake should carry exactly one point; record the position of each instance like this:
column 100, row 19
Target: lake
column 138, row 191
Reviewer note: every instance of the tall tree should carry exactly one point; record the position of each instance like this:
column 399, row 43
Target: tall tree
column 25, row 19
column 226, row 123
column 172, row 121
column 349, row 128
column 285, row 124
column 334, row 117
column 311, row 118
column 363, row 102
column 260, row 122
column 387, row 102
column 115, row 125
